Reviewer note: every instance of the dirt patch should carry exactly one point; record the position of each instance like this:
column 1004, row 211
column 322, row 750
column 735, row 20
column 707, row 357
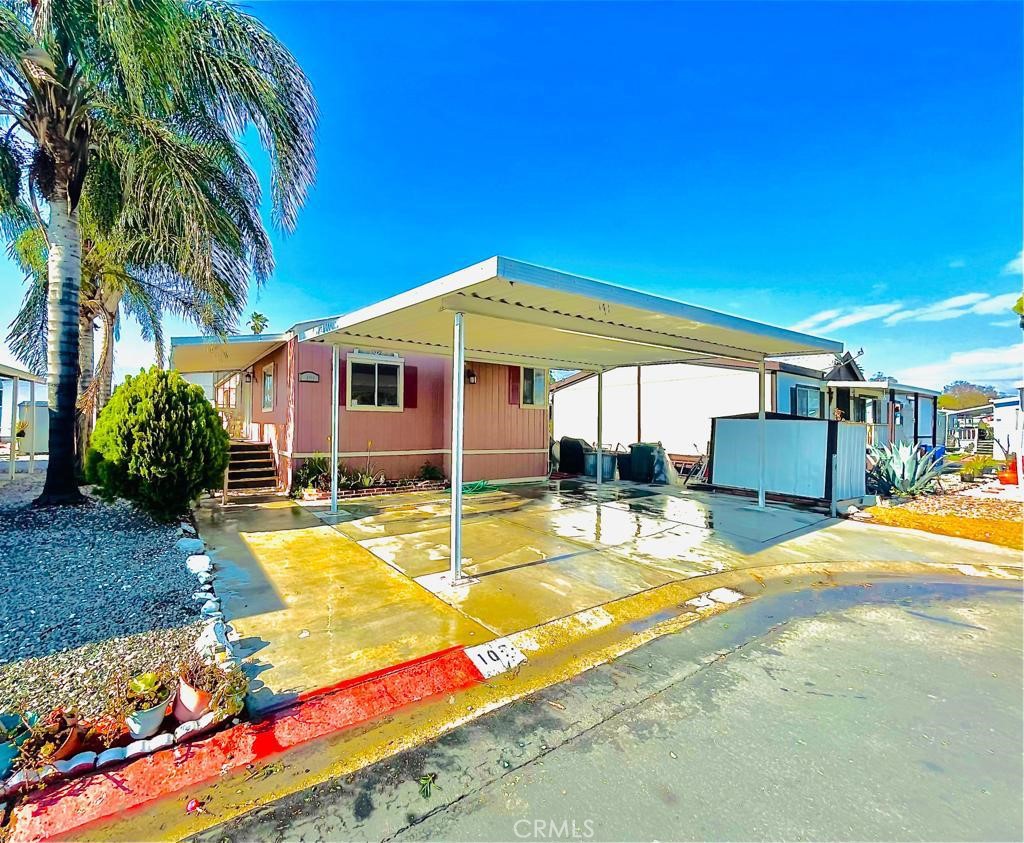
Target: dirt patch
column 998, row 522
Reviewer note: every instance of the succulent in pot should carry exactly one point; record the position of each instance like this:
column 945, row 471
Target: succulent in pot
column 55, row 737
column 229, row 698
column 146, row 702
column 198, row 679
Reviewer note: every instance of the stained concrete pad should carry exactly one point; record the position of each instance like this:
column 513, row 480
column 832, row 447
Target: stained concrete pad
column 313, row 608
column 488, row 544
column 726, row 514
column 508, row 600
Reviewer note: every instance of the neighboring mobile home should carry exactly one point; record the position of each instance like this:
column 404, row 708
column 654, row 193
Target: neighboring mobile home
column 674, row 403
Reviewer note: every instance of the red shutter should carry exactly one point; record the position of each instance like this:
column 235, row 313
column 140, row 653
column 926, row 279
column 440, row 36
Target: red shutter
column 342, row 371
column 514, row 389
column 409, row 388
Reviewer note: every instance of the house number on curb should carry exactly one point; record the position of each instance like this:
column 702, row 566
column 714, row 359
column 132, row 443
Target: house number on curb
column 495, row 657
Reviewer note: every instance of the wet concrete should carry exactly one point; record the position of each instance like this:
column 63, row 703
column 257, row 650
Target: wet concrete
column 313, row 608
column 886, row 708
column 318, row 603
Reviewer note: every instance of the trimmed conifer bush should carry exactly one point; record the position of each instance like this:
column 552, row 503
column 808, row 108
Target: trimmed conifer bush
column 158, row 442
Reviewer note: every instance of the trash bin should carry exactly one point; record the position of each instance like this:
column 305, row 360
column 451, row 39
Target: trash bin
column 642, row 461
column 570, row 455
column 625, row 465
column 607, row 463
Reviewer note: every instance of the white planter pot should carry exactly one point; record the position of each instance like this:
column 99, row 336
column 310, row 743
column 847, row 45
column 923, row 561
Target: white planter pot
column 145, row 723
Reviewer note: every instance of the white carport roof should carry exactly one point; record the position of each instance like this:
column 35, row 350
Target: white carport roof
column 520, row 313
column 12, row 372
column 190, row 355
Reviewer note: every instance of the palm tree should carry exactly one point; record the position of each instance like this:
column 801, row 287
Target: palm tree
column 257, row 322
column 110, row 285
column 138, row 105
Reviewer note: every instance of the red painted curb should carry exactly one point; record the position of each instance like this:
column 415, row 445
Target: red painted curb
column 103, row 794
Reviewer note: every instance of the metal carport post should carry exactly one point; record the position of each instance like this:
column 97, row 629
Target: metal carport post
column 458, row 423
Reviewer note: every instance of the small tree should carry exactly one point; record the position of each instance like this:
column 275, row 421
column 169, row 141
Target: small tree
column 158, row 442
column 258, row 322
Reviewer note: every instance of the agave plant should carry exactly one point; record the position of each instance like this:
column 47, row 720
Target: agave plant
column 900, row 468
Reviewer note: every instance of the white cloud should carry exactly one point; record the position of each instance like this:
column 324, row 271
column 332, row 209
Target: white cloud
column 811, row 322
column 980, row 365
column 952, row 308
column 1005, row 323
column 996, row 304
column 855, row 315
column 959, row 263
column 1016, row 266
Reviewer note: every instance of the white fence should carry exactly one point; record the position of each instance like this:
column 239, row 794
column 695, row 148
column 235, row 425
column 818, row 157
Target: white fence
column 798, row 456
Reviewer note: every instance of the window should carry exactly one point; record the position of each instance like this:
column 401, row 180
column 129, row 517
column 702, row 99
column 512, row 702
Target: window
column 374, row 383
column 807, row 401
column 535, row 387
column 268, row 387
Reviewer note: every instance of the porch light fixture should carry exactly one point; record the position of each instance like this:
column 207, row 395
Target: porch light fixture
column 470, row 376
column 248, row 377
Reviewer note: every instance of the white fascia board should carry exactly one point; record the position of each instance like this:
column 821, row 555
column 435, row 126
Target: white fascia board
column 475, row 274
column 553, row 279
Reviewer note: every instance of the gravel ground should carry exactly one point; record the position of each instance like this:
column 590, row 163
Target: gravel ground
column 967, row 505
column 86, row 594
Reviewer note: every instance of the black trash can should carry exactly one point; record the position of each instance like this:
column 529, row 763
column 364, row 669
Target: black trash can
column 625, row 463
column 642, row 461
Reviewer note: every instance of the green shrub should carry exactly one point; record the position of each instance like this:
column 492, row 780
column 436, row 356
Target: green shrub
column 158, row 442
column 429, row 471
column 314, row 473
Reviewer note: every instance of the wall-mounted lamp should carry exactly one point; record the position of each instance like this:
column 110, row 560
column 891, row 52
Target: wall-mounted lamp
column 470, row 376
column 248, row 377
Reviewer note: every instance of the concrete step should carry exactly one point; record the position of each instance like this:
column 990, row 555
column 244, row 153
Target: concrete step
column 251, row 470
column 249, row 447
column 252, row 483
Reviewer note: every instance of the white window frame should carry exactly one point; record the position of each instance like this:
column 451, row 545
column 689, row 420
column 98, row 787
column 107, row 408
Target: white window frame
column 374, row 359
column 522, row 387
column 263, row 387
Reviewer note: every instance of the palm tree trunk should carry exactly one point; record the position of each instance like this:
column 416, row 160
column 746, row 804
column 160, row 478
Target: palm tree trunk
column 105, row 369
column 86, row 364
column 64, row 272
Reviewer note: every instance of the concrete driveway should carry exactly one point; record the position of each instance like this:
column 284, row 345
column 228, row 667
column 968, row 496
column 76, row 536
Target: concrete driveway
column 321, row 600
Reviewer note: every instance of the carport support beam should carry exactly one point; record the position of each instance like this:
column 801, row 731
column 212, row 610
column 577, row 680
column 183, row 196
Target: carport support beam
column 33, row 417
column 335, row 400
column 15, row 383
column 458, row 408
column 762, row 438
column 600, row 430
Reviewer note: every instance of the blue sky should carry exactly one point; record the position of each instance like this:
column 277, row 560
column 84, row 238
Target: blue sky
column 852, row 169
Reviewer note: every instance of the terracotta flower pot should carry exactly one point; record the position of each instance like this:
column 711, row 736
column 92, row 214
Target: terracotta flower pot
column 191, row 703
column 71, row 746
column 146, row 723
column 1008, row 477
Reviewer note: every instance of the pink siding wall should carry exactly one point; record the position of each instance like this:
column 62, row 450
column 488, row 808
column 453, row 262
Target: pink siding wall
column 274, row 425
column 492, row 423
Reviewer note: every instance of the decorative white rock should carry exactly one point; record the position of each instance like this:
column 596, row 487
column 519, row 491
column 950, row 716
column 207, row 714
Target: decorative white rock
column 20, row 780
column 205, row 578
column 146, row 747
column 190, row 545
column 187, row 529
column 199, row 563
column 77, row 763
column 114, row 755
column 211, row 607
column 194, row 728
